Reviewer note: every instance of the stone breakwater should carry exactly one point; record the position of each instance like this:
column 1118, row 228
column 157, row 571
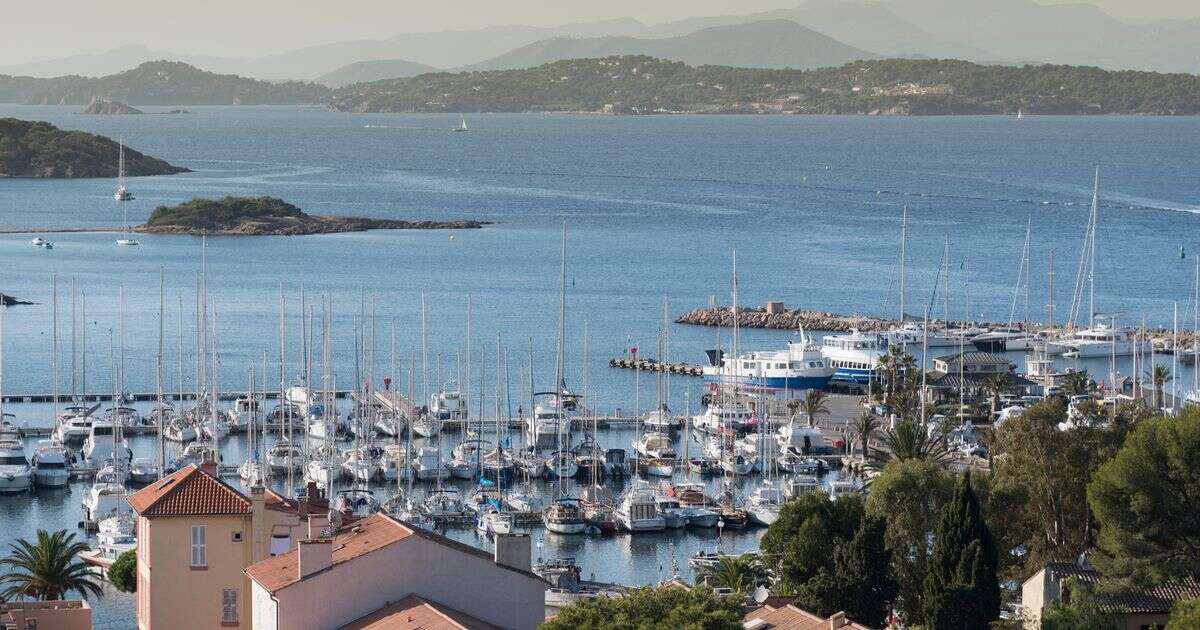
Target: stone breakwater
column 791, row 319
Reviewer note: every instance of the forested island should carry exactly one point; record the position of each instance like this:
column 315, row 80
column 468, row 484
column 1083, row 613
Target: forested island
column 106, row 107
column 39, row 149
column 644, row 85
column 160, row 83
column 271, row 216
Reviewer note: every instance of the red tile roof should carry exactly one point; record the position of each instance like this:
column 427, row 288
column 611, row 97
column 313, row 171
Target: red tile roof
column 415, row 612
column 791, row 618
column 189, row 491
column 1152, row 600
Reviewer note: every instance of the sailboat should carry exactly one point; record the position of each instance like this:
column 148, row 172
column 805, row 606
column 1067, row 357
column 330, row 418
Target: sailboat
column 1020, row 114
column 122, row 193
column 462, row 125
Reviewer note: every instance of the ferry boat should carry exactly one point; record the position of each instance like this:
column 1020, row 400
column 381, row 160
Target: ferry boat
column 854, row 357
column 798, row 368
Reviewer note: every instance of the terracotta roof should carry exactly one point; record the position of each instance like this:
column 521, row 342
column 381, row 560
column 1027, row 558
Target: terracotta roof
column 189, row 491
column 791, row 618
column 415, row 612
column 1158, row 599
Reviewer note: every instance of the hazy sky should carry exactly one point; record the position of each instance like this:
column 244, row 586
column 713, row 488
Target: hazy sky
column 40, row 29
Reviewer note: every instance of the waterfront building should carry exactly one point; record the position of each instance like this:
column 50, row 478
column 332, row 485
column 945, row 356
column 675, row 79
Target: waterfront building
column 196, row 535
column 966, row 373
column 382, row 572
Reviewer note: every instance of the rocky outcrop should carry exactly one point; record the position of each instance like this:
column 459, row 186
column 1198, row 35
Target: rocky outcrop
column 99, row 106
column 787, row 320
column 260, row 216
column 8, row 300
column 39, row 149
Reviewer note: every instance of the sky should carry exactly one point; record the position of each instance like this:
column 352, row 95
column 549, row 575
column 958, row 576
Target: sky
column 44, row 29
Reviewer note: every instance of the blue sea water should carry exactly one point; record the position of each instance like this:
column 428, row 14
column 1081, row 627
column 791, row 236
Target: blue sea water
column 654, row 208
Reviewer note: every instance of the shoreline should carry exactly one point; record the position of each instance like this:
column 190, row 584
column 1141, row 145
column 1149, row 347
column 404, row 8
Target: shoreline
column 416, row 226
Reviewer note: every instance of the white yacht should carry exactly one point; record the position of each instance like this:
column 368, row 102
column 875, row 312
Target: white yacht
column 565, row 516
column 390, row 425
column 428, row 464
column 443, row 503
column 74, row 424
column 102, row 443
column 143, row 470
column 284, row 455
column 798, row 368
column 492, row 521
column 115, row 535
column 765, row 502
column 737, row 463
column 51, row 464
column 448, row 405
column 122, row 193
column 1005, row 340
column 245, row 413
column 637, row 511
column 38, row 241
column 800, row 437
column 673, row 514
column 854, row 356
column 125, row 416
column 426, row 426
column 661, row 420
column 1101, row 340
column 16, row 475
column 551, row 422
column 914, row 334
column 654, row 445
column 393, row 466
column 561, row 464
column 719, row 417
column 106, row 496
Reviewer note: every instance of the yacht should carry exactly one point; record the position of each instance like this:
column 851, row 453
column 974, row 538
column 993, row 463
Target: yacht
column 38, row 241
column 914, row 334
column 800, row 485
column 393, row 466
column 637, row 511
column 390, row 425
column 561, row 464
column 444, row 503
column 143, row 470
column 447, row 405
column 688, row 493
column 251, row 472
column 565, row 516
column 526, row 501
column 654, row 445
column 1101, row 341
column 1005, row 340
column 284, row 455
column 245, row 413
column 426, row 426
column 798, row 368
column 854, row 356
column 122, row 193
column 323, row 468
column 838, row 489
column 102, row 443
column 362, row 462
column 765, row 502
column 321, row 425
column 498, row 465
column 550, row 423
column 661, row 420
column 795, row 463
column 16, row 475
column 51, row 464
column 197, row 453
column 719, row 417
column 673, row 514
column 114, row 536
column 356, row 502
column 106, row 496
column 74, row 424
column 180, row 430
column 125, row 416
column 466, row 458
column 800, row 437
column 701, row 517
column 462, row 124
column 493, row 521
column 736, row 463
column 428, row 464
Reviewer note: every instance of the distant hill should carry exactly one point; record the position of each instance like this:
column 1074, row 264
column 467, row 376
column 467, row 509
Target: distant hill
column 159, row 83
column 643, row 85
column 764, row 44
column 361, row 71
column 100, row 106
column 39, row 149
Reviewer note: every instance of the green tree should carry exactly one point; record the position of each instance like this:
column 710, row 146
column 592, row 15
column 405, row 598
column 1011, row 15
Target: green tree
column 909, row 495
column 1144, row 500
column 1077, row 383
column 800, row 544
column 866, row 586
column 652, row 609
column 47, row 569
column 1185, row 615
column 1079, row 610
column 123, row 573
column 1159, row 376
column 909, row 440
column 740, row 574
column 961, row 587
column 814, row 405
column 995, row 386
column 865, row 426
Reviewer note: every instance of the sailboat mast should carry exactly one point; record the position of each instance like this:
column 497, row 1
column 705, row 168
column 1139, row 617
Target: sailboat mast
column 54, row 342
column 74, row 338
column 1092, row 250
column 903, row 252
column 158, row 375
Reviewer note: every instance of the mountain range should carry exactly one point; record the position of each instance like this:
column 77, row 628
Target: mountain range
column 983, row 31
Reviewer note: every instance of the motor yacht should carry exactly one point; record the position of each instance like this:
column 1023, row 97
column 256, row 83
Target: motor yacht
column 51, row 464
column 798, row 368
column 16, row 475
column 428, row 464
column 565, row 516
column 102, row 442
column 637, row 511
column 654, row 445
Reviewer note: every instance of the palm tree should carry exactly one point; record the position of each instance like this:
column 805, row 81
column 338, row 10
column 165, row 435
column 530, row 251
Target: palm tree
column 866, row 425
column 1159, row 375
column 739, row 574
column 909, row 441
column 814, row 405
column 47, row 570
column 1077, row 383
column 994, row 386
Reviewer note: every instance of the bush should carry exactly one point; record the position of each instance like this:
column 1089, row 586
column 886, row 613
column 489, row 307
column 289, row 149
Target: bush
column 123, row 573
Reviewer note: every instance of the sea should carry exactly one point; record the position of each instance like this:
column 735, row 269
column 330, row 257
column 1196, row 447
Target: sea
column 654, row 210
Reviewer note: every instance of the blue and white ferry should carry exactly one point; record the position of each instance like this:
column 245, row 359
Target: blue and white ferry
column 800, row 367
column 854, row 357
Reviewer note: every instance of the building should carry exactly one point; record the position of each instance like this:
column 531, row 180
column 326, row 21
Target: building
column 1146, row 609
column 67, row 614
column 787, row 617
column 966, row 373
column 380, row 572
column 196, row 535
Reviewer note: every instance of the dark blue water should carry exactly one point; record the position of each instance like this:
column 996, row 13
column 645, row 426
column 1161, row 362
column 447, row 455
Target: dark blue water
column 654, row 207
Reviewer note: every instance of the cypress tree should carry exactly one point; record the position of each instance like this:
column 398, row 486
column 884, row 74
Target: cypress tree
column 863, row 565
column 961, row 589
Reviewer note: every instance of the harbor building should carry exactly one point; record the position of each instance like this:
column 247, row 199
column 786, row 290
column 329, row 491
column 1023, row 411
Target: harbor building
column 380, row 572
column 196, row 535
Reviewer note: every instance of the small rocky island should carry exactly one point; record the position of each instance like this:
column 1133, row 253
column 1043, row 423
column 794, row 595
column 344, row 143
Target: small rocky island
column 271, row 216
column 39, row 149
column 101, row 106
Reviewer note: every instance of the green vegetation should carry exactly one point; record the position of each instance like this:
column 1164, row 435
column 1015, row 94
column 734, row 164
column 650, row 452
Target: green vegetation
column 269, row 215
column 123, row 573
column 47, row 569
column 961, row 590
column 1144, row 501
column 1185, row 614
column 38, row 149
column 740, row 574
column 160, row 83
column 652, row 609
column 640, row 84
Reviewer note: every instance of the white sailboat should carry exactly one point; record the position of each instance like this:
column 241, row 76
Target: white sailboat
column 122, row 193
column 462, row 124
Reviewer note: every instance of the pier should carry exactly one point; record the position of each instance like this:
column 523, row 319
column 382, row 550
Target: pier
column 140, row 397
column 654, row 365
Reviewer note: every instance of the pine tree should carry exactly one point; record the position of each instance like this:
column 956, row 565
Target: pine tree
column 863, row 566
column 961, row 588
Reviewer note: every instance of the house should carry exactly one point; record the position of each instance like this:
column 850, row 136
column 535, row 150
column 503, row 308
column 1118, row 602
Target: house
column 1146, row 609
column 783, row 616
column 196, row 535
column 966, row 372
column 69, row 614
column 381, row 572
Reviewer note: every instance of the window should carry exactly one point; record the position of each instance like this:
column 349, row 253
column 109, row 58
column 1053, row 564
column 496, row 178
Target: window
column 237, row 537
column 199, row 545
column 229, row 611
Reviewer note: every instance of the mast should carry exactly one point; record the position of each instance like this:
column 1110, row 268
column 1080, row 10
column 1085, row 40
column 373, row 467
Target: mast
column 83, row 345
column 284, row 407
column 903, row 247
column 158, row 375
column 561, row 431
column 1092, row 250
column 1050, row 304
column 74, row 338
column 54, row 341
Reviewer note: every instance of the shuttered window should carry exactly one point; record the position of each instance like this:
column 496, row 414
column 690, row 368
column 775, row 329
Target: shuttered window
column 229, row 611
column 199, row 545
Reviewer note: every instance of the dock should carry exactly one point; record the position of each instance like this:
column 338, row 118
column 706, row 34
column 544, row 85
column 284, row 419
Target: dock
column 654, row 365
column 140, row 397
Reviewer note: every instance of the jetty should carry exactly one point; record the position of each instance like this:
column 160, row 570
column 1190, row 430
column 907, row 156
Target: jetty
column 654, row 365
column 140, row 397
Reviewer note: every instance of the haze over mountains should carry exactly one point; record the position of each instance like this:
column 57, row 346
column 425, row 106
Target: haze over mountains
column 816, row 33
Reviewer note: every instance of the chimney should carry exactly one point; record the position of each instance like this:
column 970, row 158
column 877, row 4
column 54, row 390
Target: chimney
column 513, row 550
column 312, row 555
column 258, row 535
column 318, row 523
column 837, row 620
column 209, row 466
